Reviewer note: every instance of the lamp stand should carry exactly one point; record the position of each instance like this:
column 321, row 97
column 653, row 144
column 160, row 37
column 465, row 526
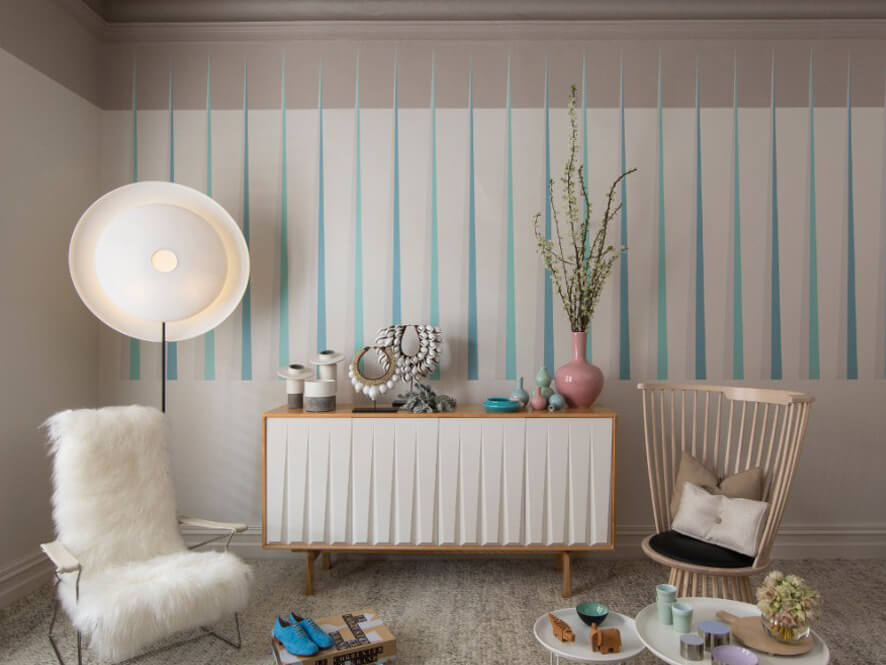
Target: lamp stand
column 163, row 368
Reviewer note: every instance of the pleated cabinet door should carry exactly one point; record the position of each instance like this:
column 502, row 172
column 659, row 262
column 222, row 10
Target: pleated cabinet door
column 439, row 482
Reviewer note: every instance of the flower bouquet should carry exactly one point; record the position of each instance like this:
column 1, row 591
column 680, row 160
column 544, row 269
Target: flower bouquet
column 788, row 606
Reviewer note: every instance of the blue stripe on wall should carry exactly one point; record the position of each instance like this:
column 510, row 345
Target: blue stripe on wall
column 134, row 345
column 814, row 365
column 246, row 311
column 662, row 353
column 321, row 222
column 209, row 337
column 775, row 295
column 851, row 320
column 358, row 219
column 548, row 286
column 472, row 238
column 510, row 288
column 283, row 356
column 737, row 296
column 624, row 331
column 701, row 371
column 396, row 290
column 171, row 347
column 589, row 347
column 435, row 252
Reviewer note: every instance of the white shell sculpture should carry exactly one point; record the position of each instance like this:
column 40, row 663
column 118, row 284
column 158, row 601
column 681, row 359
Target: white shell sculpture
column 423, row 362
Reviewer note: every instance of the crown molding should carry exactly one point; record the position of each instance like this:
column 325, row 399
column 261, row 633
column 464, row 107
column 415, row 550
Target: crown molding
column 534, row 30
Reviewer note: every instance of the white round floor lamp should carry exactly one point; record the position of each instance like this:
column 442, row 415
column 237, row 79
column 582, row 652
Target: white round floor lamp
column 160, row 262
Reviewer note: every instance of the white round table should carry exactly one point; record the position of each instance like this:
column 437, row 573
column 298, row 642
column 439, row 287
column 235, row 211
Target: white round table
column 580, row 650
column 664, row 641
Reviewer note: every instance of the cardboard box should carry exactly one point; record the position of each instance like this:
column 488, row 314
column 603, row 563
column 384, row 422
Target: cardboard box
column 360, row 638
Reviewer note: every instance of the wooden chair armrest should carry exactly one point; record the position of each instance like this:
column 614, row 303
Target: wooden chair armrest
column 236, row 527
column 61, row 557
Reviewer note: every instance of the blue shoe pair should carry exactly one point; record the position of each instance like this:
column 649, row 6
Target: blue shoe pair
column 300, row 637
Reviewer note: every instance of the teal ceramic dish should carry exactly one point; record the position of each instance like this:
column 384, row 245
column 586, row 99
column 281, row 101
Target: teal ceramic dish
column 501, row 405
column 592, row 612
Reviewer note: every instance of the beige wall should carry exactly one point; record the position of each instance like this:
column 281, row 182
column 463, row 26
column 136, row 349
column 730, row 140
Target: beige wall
column 48, row 340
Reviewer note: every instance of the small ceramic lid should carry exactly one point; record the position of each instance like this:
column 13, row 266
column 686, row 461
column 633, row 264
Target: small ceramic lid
column 327, row 357
column 295, row 371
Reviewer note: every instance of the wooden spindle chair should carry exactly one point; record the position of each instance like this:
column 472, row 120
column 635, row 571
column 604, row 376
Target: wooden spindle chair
column 729, row 429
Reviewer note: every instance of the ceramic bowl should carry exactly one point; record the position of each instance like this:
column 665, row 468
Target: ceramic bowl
column 731, row 654
column 501, row 405
column 592, row 612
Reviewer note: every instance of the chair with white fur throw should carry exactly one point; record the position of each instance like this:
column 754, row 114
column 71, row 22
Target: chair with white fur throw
column 124, row 576
column 715, row 454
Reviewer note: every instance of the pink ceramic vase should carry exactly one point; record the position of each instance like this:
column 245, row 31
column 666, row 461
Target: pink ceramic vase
column 579, row 381
column 538, row 402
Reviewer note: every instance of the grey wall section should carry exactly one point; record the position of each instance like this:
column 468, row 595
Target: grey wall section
column 48, row 340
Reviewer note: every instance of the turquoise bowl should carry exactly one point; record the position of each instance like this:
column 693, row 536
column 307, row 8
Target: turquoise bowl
column 592, row 612
column 501, row 405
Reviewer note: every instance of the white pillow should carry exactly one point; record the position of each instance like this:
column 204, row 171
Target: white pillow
column 735, row 524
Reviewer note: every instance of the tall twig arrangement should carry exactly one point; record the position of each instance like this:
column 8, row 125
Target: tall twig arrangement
column 579, row 267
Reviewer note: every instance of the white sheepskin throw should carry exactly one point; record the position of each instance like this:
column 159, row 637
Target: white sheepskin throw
column 114, row 509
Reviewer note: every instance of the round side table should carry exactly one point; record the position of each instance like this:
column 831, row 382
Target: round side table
column 664, row 642
column 580, row 650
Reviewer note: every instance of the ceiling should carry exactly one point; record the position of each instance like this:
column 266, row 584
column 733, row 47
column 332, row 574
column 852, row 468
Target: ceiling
column 228, row 11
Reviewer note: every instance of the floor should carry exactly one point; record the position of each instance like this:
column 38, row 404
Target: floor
column 470, row 610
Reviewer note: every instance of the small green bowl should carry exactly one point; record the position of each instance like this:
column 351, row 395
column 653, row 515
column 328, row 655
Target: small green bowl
column 592, row 612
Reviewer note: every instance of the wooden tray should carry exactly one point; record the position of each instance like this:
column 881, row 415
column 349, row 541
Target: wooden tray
column 750, row 632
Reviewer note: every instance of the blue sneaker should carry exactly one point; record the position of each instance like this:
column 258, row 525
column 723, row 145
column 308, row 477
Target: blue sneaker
column 317, row 634
column 294, row 638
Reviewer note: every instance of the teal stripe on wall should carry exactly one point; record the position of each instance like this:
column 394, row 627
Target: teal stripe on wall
column 435, row 252
column 624, row 321
column 737, row 296
column 321, row 222
column 662, row 352
column 814, row 365
column 358, row 219
column 283, row 295
column 510, row 288
column 851, row 319
column 548, row 286
column 171, row 347
column 246, row 311
column 775, row 295
column 472, row 238
column 701, row 370
column 135, row 361
column 589, row 346
column 396, row 289
column 209, row 338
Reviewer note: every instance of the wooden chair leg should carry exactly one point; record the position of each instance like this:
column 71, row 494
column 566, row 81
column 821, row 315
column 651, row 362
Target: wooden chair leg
column 326, row 560
column 309, row 573
column 565, row 563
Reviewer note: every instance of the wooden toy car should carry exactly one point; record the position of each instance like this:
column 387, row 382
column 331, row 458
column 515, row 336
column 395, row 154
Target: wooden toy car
column 561, row 629
column 607, row 640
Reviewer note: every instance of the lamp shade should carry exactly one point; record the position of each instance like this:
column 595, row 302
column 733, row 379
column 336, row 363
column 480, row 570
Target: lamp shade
column 155, row 252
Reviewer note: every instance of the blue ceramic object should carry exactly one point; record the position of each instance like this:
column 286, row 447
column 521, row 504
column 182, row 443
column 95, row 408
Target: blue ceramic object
column 556, row 402
column 592, row 612
column 520, row 395
column 501, row 405
column 543, row 378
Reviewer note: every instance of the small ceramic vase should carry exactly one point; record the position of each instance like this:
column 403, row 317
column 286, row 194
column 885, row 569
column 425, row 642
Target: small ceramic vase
column 520, row 395
column 543, row 378
column 556, row 402
column 547, row 391
column 538, row 401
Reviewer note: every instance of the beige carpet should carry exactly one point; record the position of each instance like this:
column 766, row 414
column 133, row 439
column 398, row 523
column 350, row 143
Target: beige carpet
column 470, row 610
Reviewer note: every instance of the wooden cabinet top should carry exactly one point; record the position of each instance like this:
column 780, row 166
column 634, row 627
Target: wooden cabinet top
column 465, row 411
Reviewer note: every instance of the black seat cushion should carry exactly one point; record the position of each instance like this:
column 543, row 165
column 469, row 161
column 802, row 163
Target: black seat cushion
column 689, row 550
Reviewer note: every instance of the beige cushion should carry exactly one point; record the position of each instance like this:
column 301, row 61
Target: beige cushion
column 735, row 524
column 745, row 485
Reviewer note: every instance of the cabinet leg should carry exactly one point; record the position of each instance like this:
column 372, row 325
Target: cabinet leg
column 309, row 573
column 565, row 564
column 326, row 560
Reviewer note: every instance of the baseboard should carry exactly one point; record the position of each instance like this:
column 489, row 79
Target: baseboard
column 794, row 541
column 23, row 576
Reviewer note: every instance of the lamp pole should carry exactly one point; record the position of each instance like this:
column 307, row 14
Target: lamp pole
column 163, row 368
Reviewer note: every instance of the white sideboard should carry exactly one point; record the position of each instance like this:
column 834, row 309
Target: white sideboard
column 461, row 481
